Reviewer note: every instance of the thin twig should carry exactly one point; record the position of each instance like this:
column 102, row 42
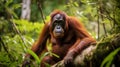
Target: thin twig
column 40, row 8
column 101, row 15
column 104, row 25
column 98, row 22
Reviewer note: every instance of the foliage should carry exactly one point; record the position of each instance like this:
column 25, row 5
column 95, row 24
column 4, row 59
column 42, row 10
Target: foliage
column 14, row 43
column 29, row 28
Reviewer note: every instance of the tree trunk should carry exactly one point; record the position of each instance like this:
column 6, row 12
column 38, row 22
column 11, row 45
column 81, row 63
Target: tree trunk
column 26, row 9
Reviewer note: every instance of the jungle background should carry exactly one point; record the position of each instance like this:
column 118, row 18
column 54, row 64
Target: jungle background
column 21, row 22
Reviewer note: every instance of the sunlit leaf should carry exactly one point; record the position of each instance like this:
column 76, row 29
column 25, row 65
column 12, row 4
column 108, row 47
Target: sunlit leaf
column 34, row 55
column 76, row 4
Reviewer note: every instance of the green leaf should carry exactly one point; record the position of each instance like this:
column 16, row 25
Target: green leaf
column 76, row 4
column 15, row 6
column 8, row 2
column 108, row 60
column 34, row 55
column 55, row 55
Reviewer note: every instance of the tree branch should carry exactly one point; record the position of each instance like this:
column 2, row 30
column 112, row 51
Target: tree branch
column 40, row 8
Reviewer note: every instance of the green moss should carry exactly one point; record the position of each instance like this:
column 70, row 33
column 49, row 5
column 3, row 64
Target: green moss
column 105, row 46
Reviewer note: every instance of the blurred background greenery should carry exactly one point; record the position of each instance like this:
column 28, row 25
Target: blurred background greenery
column 18, row 33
